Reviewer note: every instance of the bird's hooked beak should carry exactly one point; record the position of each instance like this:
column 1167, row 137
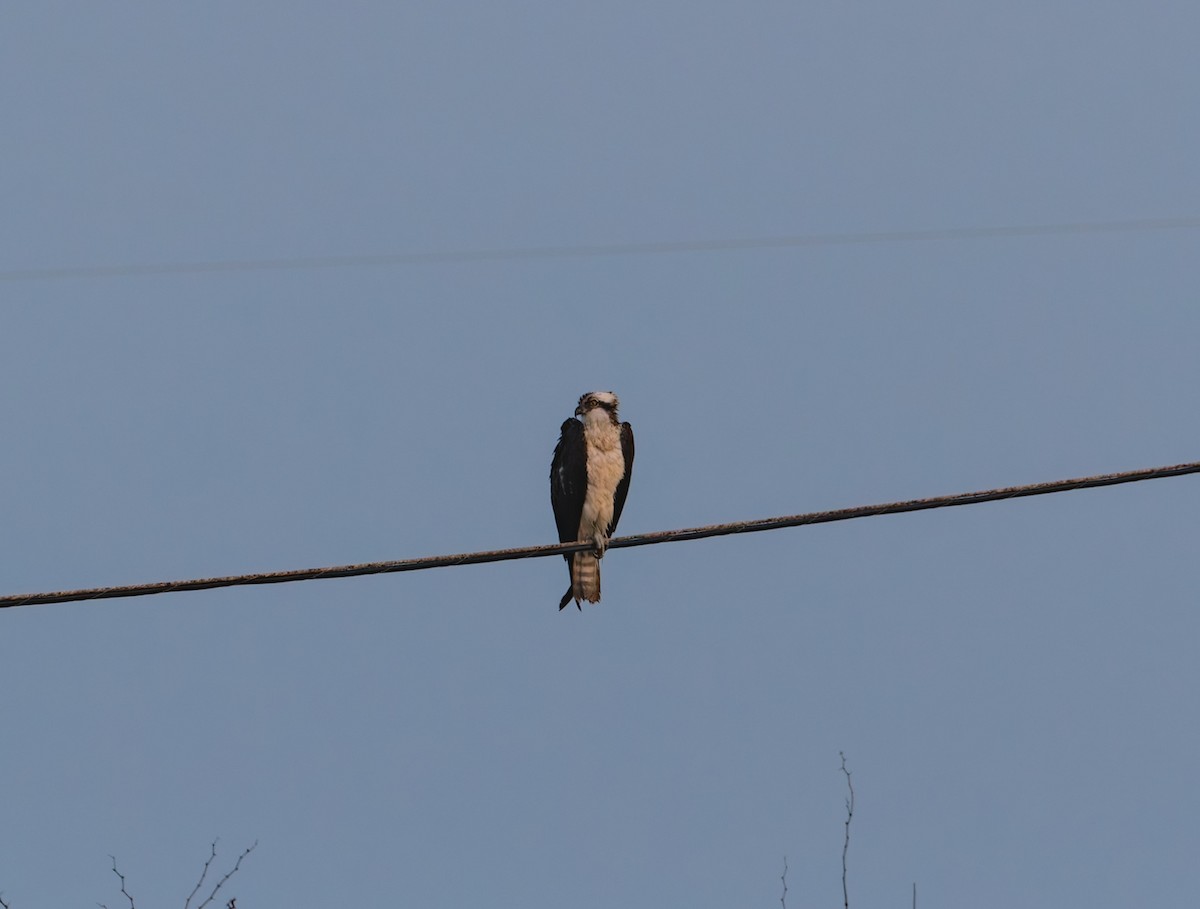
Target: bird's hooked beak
column 579, row 411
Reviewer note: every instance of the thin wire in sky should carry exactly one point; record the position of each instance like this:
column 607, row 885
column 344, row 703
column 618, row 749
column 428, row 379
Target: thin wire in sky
column 451, row 257
column 645, row 539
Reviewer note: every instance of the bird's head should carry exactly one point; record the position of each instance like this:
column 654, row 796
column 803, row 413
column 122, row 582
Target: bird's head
column 598, row 404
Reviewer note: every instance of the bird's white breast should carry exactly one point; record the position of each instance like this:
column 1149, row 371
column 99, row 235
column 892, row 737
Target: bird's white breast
column 605, row 469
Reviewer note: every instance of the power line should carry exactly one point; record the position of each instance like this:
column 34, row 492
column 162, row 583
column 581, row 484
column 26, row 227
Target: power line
column 645, row 539
column 597, row 250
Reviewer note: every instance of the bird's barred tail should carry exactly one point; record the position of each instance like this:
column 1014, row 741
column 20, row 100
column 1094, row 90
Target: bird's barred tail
column 585, row 578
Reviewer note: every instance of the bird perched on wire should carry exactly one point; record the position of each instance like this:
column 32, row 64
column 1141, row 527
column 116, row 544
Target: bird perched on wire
column 589, row 479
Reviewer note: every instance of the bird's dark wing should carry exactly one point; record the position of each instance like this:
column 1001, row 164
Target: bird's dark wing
column 568, row 481
column 623, row 486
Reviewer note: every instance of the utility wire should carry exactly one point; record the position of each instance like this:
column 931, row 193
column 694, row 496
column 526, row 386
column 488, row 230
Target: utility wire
column 592, row 251
column 645, row 539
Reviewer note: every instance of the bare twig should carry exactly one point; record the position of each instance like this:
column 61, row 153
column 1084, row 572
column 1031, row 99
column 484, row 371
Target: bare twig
column 124, row 892
column 203, row 873
column 232, row 871
column 846, row 842
column 3, row 904
column 783, row 877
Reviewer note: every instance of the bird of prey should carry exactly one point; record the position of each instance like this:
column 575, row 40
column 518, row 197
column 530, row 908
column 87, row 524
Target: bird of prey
column 589, row 479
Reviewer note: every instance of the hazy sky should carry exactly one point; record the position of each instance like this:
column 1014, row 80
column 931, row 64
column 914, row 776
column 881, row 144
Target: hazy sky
column 1014, row 684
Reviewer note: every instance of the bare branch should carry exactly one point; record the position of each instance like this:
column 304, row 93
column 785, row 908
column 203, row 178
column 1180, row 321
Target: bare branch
column 124, row 892
column 846, row 842
column 232, row 871
column 203, row 873
column 783, row 877
column 3, row 904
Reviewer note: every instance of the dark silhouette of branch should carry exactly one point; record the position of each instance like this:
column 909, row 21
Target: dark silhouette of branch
column 783, row 877
column 232, row 904
column 846, row 842
column 203, row 874
column 124, row 892
column 232, row 871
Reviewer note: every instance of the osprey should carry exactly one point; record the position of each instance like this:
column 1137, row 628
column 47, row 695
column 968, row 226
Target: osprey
column 589, row 479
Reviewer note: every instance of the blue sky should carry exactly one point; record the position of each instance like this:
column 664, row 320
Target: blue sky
column 1012, row 684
